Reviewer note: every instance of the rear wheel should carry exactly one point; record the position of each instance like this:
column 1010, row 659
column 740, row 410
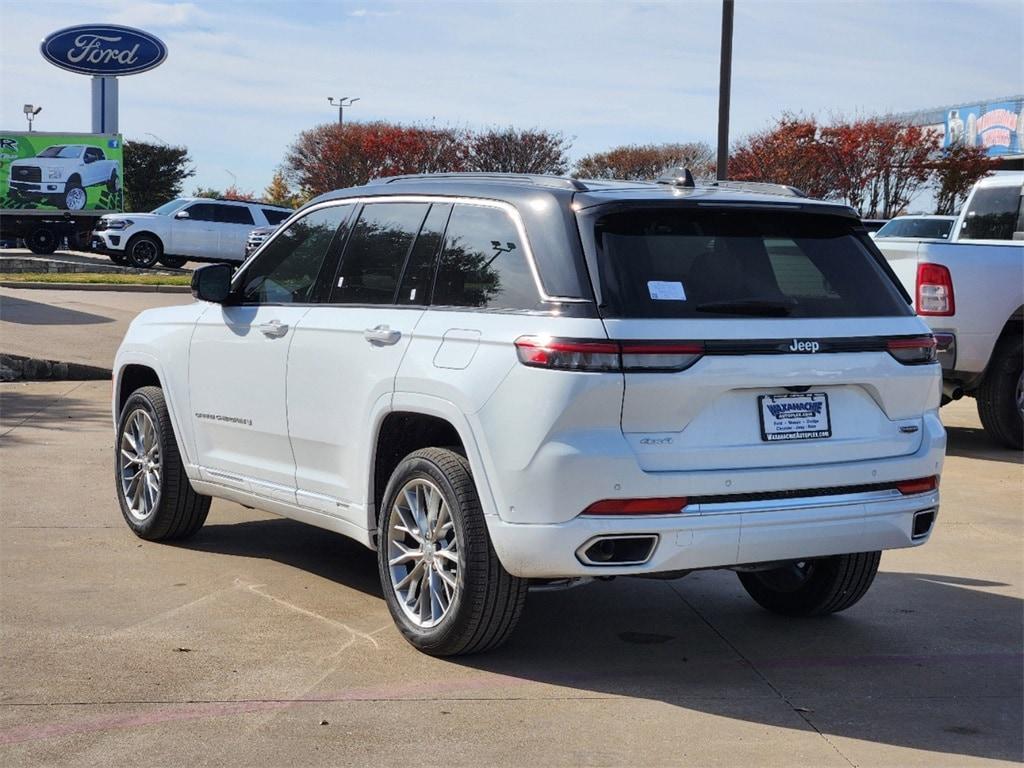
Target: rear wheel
column 443, row 583
column 813, row 587
column 1001, row 394
column 144, row 251
column 155, row 495
column 42, row 241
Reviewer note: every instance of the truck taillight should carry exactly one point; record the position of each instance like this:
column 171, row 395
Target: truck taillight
column 605, row 356
column 934, row 290
column 913, row 351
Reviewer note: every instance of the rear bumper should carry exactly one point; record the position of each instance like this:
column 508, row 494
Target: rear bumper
column 721, row 535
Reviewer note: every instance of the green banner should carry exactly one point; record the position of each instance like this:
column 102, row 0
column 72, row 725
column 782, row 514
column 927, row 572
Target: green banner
column 61, row 172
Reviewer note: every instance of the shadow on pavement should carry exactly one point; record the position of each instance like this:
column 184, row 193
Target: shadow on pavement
column 25, row 312
column 48, row 411
column 976, row 443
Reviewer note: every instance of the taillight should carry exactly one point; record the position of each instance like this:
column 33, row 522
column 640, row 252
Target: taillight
column 934, row 290
column 665, row 506
column 587, row 355
column 920, row 485
column 913, row 351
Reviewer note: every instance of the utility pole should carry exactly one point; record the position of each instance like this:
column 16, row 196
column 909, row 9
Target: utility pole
column 724, row 89
column 341, row 103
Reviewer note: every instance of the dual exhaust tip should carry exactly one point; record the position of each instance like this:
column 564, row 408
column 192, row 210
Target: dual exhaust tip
column 624, row 549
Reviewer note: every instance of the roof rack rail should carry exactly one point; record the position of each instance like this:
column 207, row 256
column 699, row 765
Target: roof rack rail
column 540, row 180
column 760, row 187
column 242, row 200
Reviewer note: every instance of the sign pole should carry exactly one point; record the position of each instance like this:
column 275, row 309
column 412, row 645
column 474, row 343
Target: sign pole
column 104, row 104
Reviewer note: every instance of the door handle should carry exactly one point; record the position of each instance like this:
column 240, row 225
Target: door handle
column 274, row 329
column 382, row 335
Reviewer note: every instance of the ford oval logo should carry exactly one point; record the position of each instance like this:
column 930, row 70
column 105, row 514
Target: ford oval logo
column 103, row 49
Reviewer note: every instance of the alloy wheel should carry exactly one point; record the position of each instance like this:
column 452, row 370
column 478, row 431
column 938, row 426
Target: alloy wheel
column 76, row 199
column 423, row 555
column 140, row 465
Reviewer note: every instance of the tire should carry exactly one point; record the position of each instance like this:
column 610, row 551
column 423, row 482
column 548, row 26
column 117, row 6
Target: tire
column 42, row 241
column 174, row 262
column 75, row 197
column 1001, row 393
column 143, row 251
column 485, row 602
column 813, row 587
column 119, row 258
column 112, row 182
column 160, row 506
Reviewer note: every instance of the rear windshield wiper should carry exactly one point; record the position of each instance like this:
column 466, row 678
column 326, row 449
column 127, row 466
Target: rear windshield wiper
column 760, row 307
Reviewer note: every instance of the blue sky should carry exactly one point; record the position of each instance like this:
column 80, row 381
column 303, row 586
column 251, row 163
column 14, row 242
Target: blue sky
column 243, row 78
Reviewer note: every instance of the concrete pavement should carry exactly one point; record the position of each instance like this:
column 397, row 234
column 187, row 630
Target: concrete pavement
column 72, row 326
column 262, row 641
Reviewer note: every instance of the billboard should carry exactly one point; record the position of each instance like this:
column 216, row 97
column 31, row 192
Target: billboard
column 996, row 127
column 61, row 172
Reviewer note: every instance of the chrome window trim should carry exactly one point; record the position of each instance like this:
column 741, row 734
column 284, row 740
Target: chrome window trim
column 509, row 209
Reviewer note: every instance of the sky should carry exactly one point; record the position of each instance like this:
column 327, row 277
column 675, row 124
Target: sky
column 243, row 78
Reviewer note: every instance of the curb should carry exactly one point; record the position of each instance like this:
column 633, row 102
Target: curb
column 123, row 287
column 20, row 368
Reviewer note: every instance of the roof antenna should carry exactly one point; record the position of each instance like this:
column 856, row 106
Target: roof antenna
column 677, row 177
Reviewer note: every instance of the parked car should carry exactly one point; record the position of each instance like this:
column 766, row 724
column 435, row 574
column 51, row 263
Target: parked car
column 257, row 237
column 970, row 290
column 62, row 173
column 499, row 380
column 186, row 229
column 918, row 227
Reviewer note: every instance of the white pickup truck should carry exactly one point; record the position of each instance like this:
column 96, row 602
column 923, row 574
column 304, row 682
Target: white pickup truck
column 63, row 173
column 970, row 290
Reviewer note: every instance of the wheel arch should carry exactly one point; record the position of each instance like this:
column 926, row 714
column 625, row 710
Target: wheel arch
column 138, row 371
column 146, row 232
column 417, row 421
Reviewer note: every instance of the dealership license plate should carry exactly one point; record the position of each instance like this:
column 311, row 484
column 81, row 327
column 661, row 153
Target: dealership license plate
column 801, row 416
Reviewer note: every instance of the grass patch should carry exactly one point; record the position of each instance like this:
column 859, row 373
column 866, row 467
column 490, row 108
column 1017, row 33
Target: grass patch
column 94, row 277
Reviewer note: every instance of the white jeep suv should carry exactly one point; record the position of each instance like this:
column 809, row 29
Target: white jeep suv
column 185, row 229
column 503, row 380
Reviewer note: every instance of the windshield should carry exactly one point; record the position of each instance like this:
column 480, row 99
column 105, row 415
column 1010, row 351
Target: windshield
column 60, row 151
column 168, row 208
column 687, row 263
column 921, row 228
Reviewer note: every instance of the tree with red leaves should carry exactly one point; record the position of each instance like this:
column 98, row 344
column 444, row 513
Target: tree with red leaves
column 956, row 171
column 647, row 161
column 788, row 153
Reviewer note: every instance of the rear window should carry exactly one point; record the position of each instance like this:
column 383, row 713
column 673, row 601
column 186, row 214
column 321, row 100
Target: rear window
column 932, row 228
column 275, row 217
column 672, row 263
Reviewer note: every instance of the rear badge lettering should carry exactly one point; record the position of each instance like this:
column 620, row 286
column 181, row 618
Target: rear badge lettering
column 804, row 346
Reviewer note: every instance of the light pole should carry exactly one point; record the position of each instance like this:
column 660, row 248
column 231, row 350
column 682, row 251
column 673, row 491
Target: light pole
column 724, row 88
column 341, row 103
column 30, row 114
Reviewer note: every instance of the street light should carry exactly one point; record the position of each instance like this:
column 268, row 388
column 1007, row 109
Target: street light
column 30, row 114
column 341, row 103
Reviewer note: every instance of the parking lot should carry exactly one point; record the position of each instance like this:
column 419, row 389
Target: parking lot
column 262, row 641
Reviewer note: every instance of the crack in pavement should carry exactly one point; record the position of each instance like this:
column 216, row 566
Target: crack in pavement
column 803, row 715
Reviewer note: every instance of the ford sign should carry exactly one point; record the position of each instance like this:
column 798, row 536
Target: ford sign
column 103, row 49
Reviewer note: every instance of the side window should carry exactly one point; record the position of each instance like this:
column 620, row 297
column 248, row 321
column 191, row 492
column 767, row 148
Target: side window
column 202, row 212
column 92, row 154
column 285, row 272
column 235, row 214
column 275, row 217
column 376, row 252
column 418, row 276
column 483, row 263
column 993, row 214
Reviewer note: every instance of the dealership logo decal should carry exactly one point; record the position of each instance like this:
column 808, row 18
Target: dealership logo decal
column 802, row 408
column 103, row 49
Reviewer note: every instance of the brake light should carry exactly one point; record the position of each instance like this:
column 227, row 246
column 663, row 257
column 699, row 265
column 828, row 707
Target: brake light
column 913, row 351
column 920, row 485
column 934, row 290
column 666, row 506
column 603, row 356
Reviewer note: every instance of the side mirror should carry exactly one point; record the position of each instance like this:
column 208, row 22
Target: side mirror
column 183, row 215
column 212, row 283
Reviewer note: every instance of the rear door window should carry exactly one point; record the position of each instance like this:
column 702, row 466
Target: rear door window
column 275, row 217
column 993, row 214
column 376, row 253
column 234, row 214
column 687, row 263
column 418, row 277
column 203, row 212
column 483, row 263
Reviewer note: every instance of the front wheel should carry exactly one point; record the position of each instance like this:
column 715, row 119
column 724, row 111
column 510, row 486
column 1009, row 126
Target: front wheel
column 1001, row 394
column 155, row 495
column 443, row 583
column 75, row 197
column 813, row 587
column 144, row 251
